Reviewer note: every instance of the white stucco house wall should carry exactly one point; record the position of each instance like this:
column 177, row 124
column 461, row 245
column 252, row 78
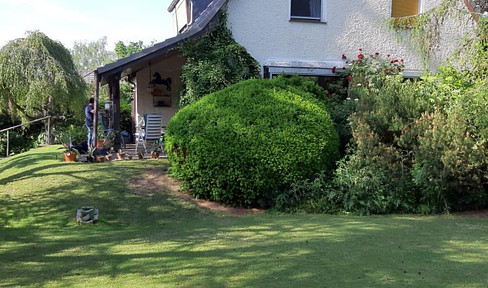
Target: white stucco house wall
column 268, row 29
column 306, row 37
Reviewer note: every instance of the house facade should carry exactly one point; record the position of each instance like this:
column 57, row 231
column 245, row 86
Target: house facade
column 305, row 37
column 323, row 30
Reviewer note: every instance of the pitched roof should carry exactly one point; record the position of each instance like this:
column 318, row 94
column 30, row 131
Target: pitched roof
column 198, row 6
column 124, row 66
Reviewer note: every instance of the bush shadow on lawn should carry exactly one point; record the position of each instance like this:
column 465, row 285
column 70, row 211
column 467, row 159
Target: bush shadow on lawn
column 154, row 238
column 24, row 160
column 244, row 252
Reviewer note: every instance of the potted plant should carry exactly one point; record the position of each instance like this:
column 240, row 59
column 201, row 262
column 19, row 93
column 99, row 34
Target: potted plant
column 140, row 156
column 100, row 144
column 120, row 154
column 155, row 152
column 157, row 146
column 100, row 158
column 69, row 151
column 91, row 154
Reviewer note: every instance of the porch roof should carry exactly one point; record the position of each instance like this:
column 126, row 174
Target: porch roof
column 137, row 61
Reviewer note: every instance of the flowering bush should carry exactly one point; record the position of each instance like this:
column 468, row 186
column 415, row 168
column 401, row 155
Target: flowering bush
column 416, row 146
column 363, row 72
column 375, row 178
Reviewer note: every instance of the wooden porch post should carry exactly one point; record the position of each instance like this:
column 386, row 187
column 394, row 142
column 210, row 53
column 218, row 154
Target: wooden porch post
column 115, row 84
column 133, row 107
column 95, row 114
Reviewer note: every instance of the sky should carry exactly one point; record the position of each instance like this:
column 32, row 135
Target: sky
column 69, row 21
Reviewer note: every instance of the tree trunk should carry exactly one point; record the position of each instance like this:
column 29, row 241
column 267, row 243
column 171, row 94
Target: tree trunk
column 48, row 131
column 49, row 138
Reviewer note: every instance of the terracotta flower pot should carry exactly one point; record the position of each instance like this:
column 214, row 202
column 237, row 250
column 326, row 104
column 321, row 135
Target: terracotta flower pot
column 100, row 144
column 70, row 157
column 155, row 155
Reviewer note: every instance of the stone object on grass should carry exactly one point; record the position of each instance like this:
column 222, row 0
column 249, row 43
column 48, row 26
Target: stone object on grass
column 87, row 215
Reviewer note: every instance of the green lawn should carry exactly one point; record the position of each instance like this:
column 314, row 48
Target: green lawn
column 153, row 239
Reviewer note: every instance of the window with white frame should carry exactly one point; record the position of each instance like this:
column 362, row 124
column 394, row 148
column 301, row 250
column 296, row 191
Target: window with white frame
column 308, row 10
column 182, row 15
column 405, row 8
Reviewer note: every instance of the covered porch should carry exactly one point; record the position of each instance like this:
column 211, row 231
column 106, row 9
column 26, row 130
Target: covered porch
column 156, row 83
column 155, row 76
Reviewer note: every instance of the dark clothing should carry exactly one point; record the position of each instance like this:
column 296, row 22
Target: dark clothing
column 88, row 115
column 89, row 124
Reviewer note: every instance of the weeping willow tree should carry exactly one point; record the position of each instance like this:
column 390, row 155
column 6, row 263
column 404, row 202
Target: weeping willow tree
column 38, row 78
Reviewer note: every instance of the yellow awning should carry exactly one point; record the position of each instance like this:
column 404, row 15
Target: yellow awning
column 403, row 8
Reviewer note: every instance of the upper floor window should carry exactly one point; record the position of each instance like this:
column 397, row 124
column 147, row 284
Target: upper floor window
column 182, row 15
column 405, row 8
column 308, row 10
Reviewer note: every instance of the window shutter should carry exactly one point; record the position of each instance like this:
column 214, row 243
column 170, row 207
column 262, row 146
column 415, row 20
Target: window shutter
column 403, row 8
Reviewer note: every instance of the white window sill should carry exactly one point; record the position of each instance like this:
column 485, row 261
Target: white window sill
column 307, row 19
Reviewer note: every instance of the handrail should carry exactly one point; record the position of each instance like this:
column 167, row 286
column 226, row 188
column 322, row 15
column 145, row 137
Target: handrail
column 20, row 125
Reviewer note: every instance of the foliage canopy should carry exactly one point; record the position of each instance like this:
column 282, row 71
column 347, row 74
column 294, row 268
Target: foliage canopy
column 124, row 50
column 38, row 78
column 88, row 56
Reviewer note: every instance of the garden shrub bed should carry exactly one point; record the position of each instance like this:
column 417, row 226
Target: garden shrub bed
column 242, row 144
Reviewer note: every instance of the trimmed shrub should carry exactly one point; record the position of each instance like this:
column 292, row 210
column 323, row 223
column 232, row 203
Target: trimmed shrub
column 242, row 144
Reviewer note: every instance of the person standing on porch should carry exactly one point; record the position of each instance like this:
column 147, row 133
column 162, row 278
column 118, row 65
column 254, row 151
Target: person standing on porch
column 89, row 112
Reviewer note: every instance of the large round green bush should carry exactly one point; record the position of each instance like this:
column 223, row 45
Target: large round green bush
column 241, row 144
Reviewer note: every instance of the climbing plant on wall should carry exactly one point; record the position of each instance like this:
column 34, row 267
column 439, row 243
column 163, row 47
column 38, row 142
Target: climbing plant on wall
column 473, row 55
column 422, row 31
column 214, row 61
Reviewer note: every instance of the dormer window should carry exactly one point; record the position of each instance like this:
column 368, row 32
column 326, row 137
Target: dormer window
column 313, row 10
column 405, row 8
column 182, row 15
